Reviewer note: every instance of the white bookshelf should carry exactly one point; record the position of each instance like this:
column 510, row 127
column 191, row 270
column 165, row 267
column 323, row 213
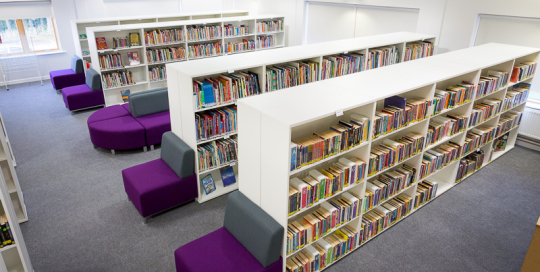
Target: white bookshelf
column 10, row 177
column 140, row 72
column 267, row 124
column 181, row 76
column 78, row 27
column 7, row 140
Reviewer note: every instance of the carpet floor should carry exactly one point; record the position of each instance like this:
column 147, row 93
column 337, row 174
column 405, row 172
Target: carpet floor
column 81, row 220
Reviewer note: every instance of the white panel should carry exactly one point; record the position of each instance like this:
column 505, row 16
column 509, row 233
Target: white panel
column 373, row 21
column 25, row 10
column 97, row 8
column 327, row 22
column 249, row 152
column 201, row 5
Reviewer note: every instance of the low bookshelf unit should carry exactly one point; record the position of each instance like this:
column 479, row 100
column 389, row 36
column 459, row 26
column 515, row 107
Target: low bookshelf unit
column 309, row 162
column 297, row 65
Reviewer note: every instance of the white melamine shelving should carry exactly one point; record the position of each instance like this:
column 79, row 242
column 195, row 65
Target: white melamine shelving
column 78, row 27
column 8, row 143
column 267, row 124
column 140, row 72
column 181, row 76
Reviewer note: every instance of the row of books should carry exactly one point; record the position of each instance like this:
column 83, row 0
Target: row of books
column 291, row 74
column 477, row 137
column 523, row 71
column 269, row 26
column 120, row 42
column 110, row 61
column 439, row 157
column 215, row 123
column 320, row 222
column 165, row 54
column 232, row 30
column 117, row 79
column 425, row 191
column 399, row 112
column 266, row 41
column 6, row 237
column 508, row 121
column 217, row 153
column 381, row 217
column 469, row 164
column 418, row 50
column 440, row 127
column 453, row 96
column 382, row 57
column 485, row 110
column 324, row 252
column 516, row 96
column 343, row 64
column 340, row 137
column 236, row 47
column 491, row 83
column 319, row 185
column 390, row 152
column 225, row 89
column 157, row 73
column 387, row 185
column 205, row 50
column 164, row 36
column 204, row 32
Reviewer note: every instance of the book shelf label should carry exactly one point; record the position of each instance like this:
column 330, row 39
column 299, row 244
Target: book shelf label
column 227, row 136
column 233, row 164
column 339, row 113
column 230, row 71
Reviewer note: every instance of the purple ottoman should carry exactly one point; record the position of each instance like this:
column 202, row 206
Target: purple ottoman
column 119, row 133
column 61, row 79
column 219, row 251
column 154, row 187
column 155, row 125
column 108, row 113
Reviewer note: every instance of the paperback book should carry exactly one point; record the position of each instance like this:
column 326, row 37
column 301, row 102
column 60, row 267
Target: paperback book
column 500, row 143
column 125, row 95
column 134, row 58
column 227, row 176
column 208, row 184
column 101, row 43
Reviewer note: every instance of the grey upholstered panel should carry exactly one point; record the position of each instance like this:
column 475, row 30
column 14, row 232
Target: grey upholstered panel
column 93, row 80
column 257, row 231
column 148, row 102
column 77, row 64
column 177, row 155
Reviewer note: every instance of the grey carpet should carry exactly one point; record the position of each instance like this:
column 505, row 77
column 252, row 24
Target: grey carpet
column 80, row 219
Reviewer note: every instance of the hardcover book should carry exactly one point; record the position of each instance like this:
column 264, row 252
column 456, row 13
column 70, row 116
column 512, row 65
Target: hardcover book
column 395, row 101
column 208, row 184
column 227, row 176
column 82, row 36
column 85, row 53
column 500, row 143
column 125, row 95
column 134, row 58
column 134, row 39
column 101, row 43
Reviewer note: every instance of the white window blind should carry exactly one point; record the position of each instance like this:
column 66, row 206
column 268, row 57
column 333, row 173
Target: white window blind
column 25, row 9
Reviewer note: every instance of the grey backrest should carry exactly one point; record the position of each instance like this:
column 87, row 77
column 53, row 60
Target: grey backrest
column 77, row 64
column 257, row 231
column 177, row 155
column 148, row 102
column 93, row 80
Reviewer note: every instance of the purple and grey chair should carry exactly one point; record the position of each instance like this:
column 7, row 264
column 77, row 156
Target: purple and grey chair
column 61, row 79
column 86, row 95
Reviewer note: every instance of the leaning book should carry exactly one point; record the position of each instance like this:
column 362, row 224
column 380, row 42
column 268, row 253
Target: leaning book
column 208, row 184
column 500, row 143
column 227, row 176
column 125, row 95
column 133, row 58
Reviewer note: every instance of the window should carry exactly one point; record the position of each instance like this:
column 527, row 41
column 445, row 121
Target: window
column 23, row 36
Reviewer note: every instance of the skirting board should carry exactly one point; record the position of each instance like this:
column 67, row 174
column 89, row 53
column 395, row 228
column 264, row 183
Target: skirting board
column 528, row 142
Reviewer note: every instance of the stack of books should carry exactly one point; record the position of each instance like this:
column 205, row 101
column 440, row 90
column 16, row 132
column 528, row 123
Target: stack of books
column 204, row 32
column 157, row 73
column 437, row 158
column 110, row 61
column 224, row 89
column 426, row 191
column 164, row 36
column 343, row 64
column 266, row 41
column 387, row 185
column 269, row 26
column 523, row 71
column 205, row 50
column 217, row 153
column 165, row 54
column 117, row 79
column 382, row 57
column 215, row 123
column 232, row 31
column 418, row 50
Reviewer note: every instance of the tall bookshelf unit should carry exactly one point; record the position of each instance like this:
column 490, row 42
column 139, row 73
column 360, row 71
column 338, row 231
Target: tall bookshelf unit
column 268, row 124
column 181, row 76
column 140, row 72
column 78, row 27
column 7, row 140
column 10, row 176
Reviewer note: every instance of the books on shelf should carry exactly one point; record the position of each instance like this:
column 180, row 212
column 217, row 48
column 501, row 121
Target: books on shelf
column 387, row 185
column 110, row 61
column 215, row 123
column 291, row 74
column 523, row 71
column 225, row 88
column 381, row 217
column 82, row 37
column 165, row 54
column 231, row 30
column 343, row 64
column 203, row 32
column 125, row 95
column 426, row 191
column 389, row 152
column 117, row 79
column 208, row 184
column 500, row 143
column 485, row 110
column 157, row 73
column 164, row 36
column 441, row 127
column 439, row 157
column 516, row 96
column 477, row 137
column 384, row 56
column 217, row 153
column 134, row 39
column 6, row 237
column 269, row 26
column 86, row 53
column 227, row 176
column 120, row 42
column 266, row 41
column 417, row 50
column 470, row 164
column 133, row 58
column 508, row 121
column 491, row 83
column 205, row 50
column 453, row 96
column 237, row 47
column 101, row 43
column 399, row 112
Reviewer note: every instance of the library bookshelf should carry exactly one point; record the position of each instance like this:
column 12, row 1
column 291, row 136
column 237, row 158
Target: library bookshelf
column 78, row 27
column 268, row 124
column 181, row 76
column 10, row 176
column 141, row 71
column 8, row 143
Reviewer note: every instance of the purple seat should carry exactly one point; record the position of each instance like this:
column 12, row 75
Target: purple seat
column 108, row 113
column 119, row 133
column 61, row 79
column 86, row 95
column 155, row 125
column 219, row 251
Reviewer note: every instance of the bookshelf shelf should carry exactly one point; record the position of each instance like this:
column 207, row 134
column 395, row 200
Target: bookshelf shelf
column 220, row 190
column 126, row 86
column 181, row 76
column 218, row 167
column 239, row 36
column 165, row 44
column 268, row 124
column 217, row 137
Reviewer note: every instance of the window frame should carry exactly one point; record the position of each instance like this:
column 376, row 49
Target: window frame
column 25, row 46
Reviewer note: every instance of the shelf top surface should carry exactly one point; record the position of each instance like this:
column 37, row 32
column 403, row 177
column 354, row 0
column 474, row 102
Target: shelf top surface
column 145, row 17
column 293, row 53
column 180, row 23
column 358, row 89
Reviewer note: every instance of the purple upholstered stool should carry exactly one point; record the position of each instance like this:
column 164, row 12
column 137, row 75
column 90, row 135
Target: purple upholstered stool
column 120, row 133
column 155, row 125
column 86, row 95
column 61, row 79
column 108, row 113
column 219, row 251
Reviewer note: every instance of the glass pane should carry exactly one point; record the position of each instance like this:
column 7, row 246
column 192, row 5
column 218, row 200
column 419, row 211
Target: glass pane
column 10, row 43
column 40, row 34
